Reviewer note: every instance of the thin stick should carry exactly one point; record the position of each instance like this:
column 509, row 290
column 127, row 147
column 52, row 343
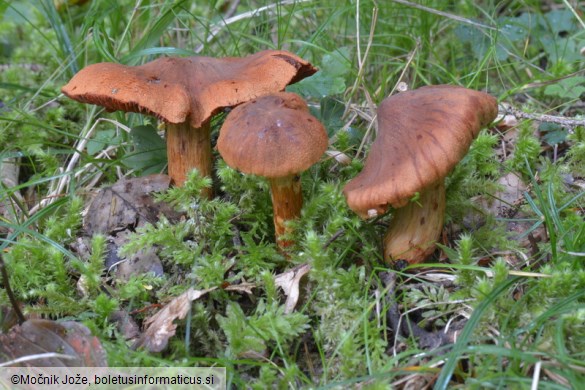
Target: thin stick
column 575, row 14
column 536, row 376
column 48, row 355
column 362, row 60
column 561, row 120
column 9, row 292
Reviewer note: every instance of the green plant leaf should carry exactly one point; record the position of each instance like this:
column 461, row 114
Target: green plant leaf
column 559, row 20
column 150, row 155
column 570, row 88
column 330, row 80
column 102, row 140
column 552, row 133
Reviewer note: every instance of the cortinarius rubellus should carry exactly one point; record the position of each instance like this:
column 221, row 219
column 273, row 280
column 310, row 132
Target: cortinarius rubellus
column 422, row 135
column 274, row 136
column 185, row 93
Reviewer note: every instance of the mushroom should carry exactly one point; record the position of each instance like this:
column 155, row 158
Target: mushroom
column 422, row 135
column 185, row 93
column 274, row 136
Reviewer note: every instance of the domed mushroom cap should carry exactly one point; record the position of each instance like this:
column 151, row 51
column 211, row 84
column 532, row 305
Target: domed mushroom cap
column 422, row 135
column 272, row 136
column 192, row 89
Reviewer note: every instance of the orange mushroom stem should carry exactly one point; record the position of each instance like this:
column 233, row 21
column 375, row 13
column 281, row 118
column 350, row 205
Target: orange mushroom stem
column 276, row 137
column 189, row 148
column 287, row 202
column 416, row 227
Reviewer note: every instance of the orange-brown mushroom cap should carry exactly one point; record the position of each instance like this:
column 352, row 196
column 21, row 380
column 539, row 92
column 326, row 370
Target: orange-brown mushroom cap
column 422, row 135
column 272, row 136
column 193, row 89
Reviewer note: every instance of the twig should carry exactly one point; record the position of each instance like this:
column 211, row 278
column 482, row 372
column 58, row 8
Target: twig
column 9, row 292
column 48, row 355
column 232, row 8
column 407, row 328
column 334, row 237
column 536, row 376
column 362, row 60
column 561, row 120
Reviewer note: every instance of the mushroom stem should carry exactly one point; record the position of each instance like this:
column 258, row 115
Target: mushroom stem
column 415, row 228
column 189, row 148
column 287, row 201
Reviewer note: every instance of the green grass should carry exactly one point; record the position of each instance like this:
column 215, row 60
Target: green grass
column 516, row 322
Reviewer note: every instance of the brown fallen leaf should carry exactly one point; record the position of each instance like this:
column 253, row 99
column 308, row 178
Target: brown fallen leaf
column 9, row 170
column 122, row 207
column 144, row 261
column 127, row 203
column 244, row 287
column 508, row 205
column 511, row 195
column 161, row 327
column 68, row 344
column 506, row 122
column 340, row 157
column 289, row 282
column 125, row 324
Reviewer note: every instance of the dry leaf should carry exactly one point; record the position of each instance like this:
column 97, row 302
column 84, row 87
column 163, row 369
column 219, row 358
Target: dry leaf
column 242, row 287
column 340, row 157
column 144, row 261
column 506, row 205
column 506, row 122
column 289, row 282
column 127, row 203
column 125, row 324
column 161, row 327
column 71, row 341
column 9, row 170
column 507, row 200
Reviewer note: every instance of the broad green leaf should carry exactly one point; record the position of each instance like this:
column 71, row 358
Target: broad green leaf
column 102, row 140
column 552, row 133
column 571, row 88
column 560, row 20
column 150, row 155
column 330, row 80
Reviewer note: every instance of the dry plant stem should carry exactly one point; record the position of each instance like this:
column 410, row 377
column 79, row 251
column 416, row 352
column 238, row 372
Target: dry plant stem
column 189, row 148
column 561, row 120
column 403, row 326
column 416, row 227
column 287, row 201
column 6, row 283
column 9, row 171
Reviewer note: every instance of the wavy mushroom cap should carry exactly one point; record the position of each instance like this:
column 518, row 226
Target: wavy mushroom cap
column 272, row 136
column 192, row 89
column 422, row 135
